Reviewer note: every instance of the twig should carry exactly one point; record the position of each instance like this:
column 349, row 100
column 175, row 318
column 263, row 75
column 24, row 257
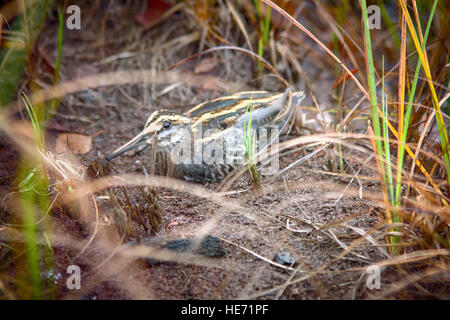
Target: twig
column 259, row 256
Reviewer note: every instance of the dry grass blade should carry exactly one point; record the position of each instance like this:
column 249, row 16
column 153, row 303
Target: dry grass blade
column 240, row 23
column 315, row 39
column 94, row 232
column 247, row 52
column 118, row 78
column 259, row 256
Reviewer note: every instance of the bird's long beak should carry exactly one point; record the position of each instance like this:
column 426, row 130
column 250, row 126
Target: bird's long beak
column 133, row 143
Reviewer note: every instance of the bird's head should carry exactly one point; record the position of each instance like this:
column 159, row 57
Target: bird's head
column 164, row 126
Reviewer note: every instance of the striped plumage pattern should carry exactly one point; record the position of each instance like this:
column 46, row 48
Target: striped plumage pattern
column 225, row 116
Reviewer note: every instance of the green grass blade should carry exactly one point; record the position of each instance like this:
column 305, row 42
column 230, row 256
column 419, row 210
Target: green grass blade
column 38, row 132
column 371, row 79
column 59, row 46
column 387, row 151
column 14, row 54
column 266, row 27
column 407, row 119
column 55, row 102
column 426, row 67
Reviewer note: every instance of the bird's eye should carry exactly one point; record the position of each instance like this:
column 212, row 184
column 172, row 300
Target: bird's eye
column 166, row 124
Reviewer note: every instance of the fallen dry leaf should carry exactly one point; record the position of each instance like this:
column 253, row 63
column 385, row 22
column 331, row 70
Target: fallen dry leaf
column 154, row 10
column 206, row 65
column 74, row 143
column 207, row 82
column 10, row 10
column 278, row 21
column 342, row 77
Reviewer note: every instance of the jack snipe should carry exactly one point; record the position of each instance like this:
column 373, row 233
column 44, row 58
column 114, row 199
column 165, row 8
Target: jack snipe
column 218, row 128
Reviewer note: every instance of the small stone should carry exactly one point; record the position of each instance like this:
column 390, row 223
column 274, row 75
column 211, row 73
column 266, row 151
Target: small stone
column 210, row 246
column 284, row 258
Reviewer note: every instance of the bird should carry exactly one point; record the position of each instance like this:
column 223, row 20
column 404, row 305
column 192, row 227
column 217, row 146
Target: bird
column 219, row 131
